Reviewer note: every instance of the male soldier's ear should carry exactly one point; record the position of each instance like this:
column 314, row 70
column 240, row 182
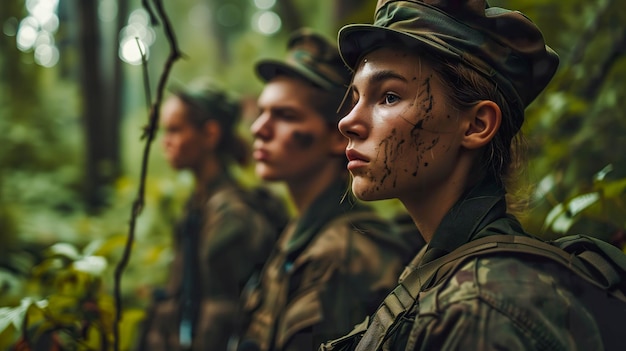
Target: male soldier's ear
column 212, row 133
column 483, row 124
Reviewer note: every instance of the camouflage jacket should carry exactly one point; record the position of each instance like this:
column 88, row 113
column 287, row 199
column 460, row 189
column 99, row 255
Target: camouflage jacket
column 329, row 270
column 495, row 302
column 229, row 240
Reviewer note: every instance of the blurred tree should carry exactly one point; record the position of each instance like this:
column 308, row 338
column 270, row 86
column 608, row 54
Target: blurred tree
column 101, row 100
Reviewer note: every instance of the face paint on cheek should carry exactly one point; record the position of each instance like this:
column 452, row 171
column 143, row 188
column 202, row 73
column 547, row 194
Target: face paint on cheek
column 302, row 140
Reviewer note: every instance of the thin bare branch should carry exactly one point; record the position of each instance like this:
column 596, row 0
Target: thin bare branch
column 146, row 76
column 149, row 133
column 153, row 18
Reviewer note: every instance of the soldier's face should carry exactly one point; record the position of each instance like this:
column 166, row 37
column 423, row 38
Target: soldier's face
column 184, row 145
column 403, row 134
column 292, row 141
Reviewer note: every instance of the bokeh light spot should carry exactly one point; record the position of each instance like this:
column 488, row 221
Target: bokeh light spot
column 9, row 28
column 140, row 17
column 264, row 4
column 266, row 22
column 130, row 52
column 26, row 36
column 52, row 24
column 46, row 55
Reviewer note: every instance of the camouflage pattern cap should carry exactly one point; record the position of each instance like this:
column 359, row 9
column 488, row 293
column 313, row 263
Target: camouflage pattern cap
column 503, row 45
column 312, row 57
column 216, row 102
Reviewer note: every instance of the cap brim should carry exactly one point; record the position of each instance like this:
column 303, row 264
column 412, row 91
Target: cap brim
column 269, row 69
column 355, row 40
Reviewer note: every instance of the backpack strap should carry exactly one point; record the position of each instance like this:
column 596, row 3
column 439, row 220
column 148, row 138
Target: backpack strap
column 587, row 264
column 600, row 266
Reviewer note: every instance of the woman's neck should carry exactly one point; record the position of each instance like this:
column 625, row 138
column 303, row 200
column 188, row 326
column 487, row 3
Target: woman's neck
column 429, row 206
column 210, row 170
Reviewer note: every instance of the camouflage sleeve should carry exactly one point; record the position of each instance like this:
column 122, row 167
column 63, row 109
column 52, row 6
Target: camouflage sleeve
column 504, row 303
column 236, row 241
column 361, row 273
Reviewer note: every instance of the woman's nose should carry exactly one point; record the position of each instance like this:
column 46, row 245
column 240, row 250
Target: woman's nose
column 352, row 125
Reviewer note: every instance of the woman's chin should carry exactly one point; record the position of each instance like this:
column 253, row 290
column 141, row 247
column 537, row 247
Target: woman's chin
column 366, row 192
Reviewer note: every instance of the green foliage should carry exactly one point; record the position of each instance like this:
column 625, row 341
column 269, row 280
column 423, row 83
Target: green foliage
column 601, row 212
column 68, row 285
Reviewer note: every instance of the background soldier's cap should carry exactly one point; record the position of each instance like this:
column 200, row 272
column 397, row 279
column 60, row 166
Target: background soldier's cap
column 312, row 57
column 503, row 45
column 216, row 102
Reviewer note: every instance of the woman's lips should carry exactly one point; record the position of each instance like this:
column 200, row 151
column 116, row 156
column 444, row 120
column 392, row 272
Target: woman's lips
column 355, row 159
column 260, row 155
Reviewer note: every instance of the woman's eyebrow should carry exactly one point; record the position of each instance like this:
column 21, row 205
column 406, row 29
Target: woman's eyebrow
column 380, row 76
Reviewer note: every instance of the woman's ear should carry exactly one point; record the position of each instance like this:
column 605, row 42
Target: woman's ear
column 485, row 119
column 212, row 133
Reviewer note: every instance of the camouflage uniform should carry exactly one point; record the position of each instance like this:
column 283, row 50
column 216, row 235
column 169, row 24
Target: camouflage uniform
column 491, row 302
column 234, row 241
column 329, row 269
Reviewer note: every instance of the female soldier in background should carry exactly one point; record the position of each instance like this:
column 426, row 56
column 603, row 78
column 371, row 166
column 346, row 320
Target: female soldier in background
column 226, row 233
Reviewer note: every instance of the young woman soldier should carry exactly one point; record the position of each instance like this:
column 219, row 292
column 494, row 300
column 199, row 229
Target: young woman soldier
column 438, row 99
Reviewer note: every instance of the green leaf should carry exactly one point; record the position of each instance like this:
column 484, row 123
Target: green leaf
column 15, row 315
column 561, row 218
column 64, row 250
column 94, row 265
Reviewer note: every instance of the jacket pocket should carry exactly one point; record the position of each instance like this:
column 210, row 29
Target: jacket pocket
column 304, row 311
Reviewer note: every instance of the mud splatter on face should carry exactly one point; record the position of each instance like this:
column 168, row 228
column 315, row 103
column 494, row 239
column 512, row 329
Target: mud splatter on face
column 425, row 101
column 302, row 140
column 389, row 149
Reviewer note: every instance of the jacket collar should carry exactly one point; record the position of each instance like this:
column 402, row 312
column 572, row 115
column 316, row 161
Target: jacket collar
column 479, row 207
column 327, row 206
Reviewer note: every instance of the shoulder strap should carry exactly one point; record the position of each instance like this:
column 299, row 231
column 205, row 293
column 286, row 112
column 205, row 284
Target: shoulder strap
column 587, row 263
column 402, row 298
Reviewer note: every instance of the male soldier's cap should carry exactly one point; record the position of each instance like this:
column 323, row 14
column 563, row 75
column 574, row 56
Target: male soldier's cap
column 216, row 102
column 311, row 57
column 503, row 45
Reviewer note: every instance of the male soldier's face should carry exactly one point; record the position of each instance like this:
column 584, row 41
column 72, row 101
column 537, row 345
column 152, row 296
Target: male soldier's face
column 292, row 140
column 184, row 144
column 404, row 136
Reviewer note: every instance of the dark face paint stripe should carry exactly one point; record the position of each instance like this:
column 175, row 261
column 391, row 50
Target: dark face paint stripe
column 302, row 140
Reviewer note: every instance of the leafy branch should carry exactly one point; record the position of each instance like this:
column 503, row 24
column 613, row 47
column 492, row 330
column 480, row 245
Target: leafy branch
column 156, row 12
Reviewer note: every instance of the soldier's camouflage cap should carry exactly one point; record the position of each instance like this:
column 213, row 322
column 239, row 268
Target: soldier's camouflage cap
column 212, row 99
column 311, row 57
column 505, row 46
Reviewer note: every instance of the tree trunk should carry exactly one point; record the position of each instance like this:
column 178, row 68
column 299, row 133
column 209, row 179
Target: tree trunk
column 100, row 123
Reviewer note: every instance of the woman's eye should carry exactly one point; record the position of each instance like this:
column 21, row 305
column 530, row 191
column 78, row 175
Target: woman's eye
column 391, row 98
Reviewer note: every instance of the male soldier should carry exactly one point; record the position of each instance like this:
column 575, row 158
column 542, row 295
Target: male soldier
column 335, row 261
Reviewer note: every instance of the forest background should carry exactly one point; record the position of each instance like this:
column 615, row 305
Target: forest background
column 73, row 106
